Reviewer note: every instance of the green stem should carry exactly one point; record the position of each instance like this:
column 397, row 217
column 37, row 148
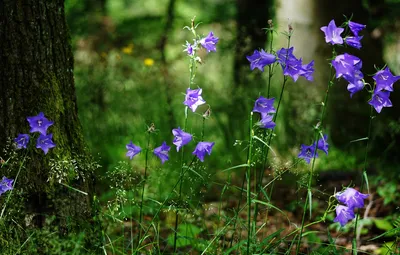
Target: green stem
column 364, row 173
column 317, row 130
column 144, row 184
column 249, row 162
column 15, row 181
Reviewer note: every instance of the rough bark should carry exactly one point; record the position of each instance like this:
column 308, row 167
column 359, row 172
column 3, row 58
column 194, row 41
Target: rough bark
column 36, row 75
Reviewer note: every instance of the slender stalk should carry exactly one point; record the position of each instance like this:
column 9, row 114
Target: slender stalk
column 15, row 181
column 144, row 184
column 364, row 172
column 249, row 162
column 317, row 130
column 192, row 69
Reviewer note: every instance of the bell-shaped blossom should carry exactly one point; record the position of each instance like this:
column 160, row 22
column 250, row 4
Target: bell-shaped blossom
column 307, row 152
column 45, row 143
column 351, row 198
column 266, row 121
column 260, row 59
column 264, row 105
column 343, row 214
column 22, row 141
column 332, row 33
column 203, row 148
column 5, row 185
column 346, row 64
column 353, row 88
column 189, row 49
column 133, row 150
column 39, row 123
column 355, row 28
column 380, row 99
column 353, row 41
column 384, row 80
column 285, row 55
column 181, row 138
column 193, row 98
column 162, row 152
column 323, row 145
column 209, row 42
column 294, row 69
column 308, row 70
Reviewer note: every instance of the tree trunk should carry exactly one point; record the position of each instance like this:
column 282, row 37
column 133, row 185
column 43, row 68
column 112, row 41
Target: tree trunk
column 252, row 16
column 36, row 75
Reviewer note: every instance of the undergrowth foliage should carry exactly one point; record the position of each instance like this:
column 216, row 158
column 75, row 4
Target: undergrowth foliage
column 135, row 221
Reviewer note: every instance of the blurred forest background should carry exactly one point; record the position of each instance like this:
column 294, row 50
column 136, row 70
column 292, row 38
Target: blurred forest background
column 131, row 71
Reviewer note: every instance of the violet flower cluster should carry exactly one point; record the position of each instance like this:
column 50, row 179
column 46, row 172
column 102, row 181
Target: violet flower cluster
column 193, row 99
column 349, row 66
column 351, row 199
column 38, row 124
column 291, row 65
column 5, row 185
column 310, row 151
column 208, row 43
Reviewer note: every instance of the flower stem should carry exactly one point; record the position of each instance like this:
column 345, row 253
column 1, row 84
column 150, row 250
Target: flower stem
column 249, row 162
column 144, row 184
column 317, row 130
column 364, row 176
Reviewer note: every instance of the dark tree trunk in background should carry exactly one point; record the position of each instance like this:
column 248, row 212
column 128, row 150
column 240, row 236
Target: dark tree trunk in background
column 36, row 75
column 252, row 16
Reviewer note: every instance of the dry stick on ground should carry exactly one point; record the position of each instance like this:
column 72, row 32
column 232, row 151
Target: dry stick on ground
column 360, row 226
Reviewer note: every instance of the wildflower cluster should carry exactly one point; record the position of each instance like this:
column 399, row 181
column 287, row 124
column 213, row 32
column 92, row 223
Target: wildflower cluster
column 38, row 124
column 349, row 66
column 193, row 99
column 352, row 199
column 309, row 152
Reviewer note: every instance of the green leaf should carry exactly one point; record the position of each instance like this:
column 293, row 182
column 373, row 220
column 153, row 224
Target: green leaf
column 383, row 224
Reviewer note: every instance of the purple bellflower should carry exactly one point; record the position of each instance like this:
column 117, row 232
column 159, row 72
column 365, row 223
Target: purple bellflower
column 355, row 28
column 351, row 198
column 260, row 60
column 285, row 55
column 307, row 152
column 264, row 105
column 133, row 150
column 162, row 152
column 384, row 80
column 202, row 148
column 323, row 145
column 294, row 69
column 209, row 42
column 5, row 185
column 45, row 143
column 353, row 88
column 266, row 121
column 308, row 71
column 346, row 64
column 22, row 141
column 380, row 99
column 193, row 99
column 181, row 138
column 353, row 41
column 189, row 49
column 343, row 214
column 39, row 123
column 332, row 33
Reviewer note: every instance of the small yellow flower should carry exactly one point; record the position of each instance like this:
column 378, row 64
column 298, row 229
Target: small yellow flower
column 128, row 49
column 148, row 62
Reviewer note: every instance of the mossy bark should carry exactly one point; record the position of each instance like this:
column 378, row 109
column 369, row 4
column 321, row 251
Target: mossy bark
column 36, row 75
